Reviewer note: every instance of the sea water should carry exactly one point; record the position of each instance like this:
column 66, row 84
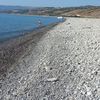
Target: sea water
column 12, row 25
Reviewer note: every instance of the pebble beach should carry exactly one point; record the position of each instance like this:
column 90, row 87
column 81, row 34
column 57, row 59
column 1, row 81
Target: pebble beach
column 64, row 64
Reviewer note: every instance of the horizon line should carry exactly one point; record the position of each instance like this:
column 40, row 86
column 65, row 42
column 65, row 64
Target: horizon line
column 48, row 6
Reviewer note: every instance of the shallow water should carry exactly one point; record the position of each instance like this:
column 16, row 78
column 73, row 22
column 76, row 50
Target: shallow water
column 14, row 25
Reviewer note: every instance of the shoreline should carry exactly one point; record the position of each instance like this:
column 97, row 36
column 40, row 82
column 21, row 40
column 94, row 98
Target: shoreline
column 23, row 34
column 90, row 17
column 12, row 49
column 28, row 15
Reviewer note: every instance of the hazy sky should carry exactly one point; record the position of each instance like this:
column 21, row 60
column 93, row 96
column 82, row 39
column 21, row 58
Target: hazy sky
column 50, row 3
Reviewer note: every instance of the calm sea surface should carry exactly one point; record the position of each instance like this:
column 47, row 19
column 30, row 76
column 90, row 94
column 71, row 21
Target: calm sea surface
column 14, row 25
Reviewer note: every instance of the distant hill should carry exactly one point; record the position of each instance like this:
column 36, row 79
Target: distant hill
column 5, row 7
column 10, row 7
column 82, row 11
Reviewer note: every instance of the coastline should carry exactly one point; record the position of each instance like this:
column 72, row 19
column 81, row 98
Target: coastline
column 28, row 15
column 47, row 15
column 11, row 50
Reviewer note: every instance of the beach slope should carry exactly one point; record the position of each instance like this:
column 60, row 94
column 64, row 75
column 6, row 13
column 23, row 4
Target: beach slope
column 63, row 65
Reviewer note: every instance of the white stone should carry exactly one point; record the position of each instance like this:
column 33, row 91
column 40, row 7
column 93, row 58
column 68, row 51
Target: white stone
column 52, row 79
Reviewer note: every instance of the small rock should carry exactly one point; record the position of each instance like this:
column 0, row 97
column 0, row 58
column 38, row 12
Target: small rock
column 0, row 91
column 51, row 68
column 68, row 23
column 47, row 92
column 14, row 93
column 52, row 79
column 48, row 68
column 88, row 93
column 44, row 98
column 7, row 97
